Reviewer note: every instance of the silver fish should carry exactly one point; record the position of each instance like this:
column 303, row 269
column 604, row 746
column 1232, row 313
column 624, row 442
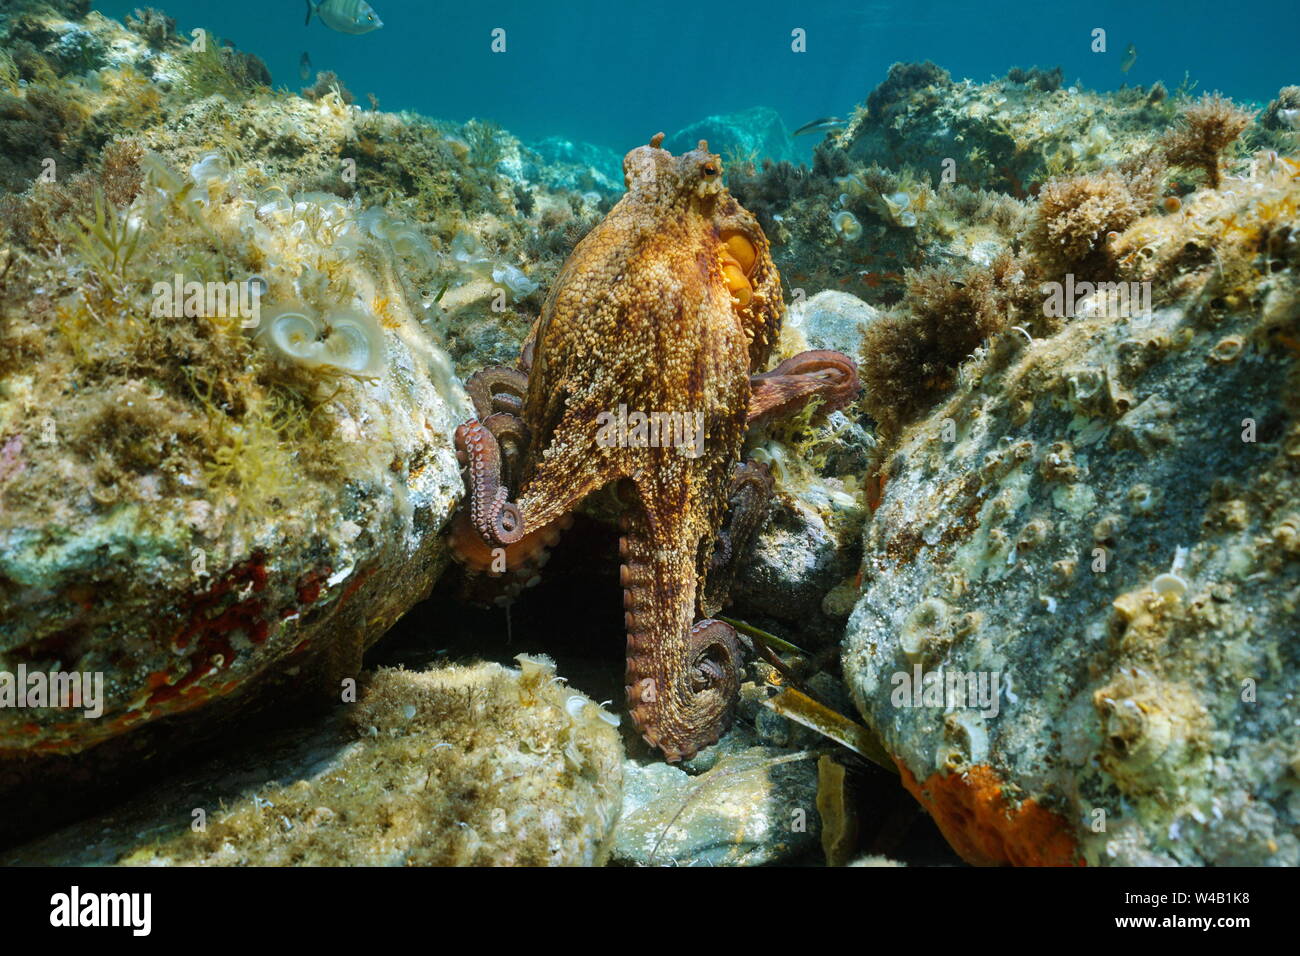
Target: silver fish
column 821, row 126
column 304, row 67
column 1130, row 57
column 346, row 16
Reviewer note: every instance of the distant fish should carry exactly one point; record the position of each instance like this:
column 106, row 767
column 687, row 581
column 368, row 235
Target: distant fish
column 304, row 66
column 1130, row 57
column 346, row 16
column 824, row 125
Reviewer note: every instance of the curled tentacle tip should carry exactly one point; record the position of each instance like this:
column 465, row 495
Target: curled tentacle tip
column 711, row 670
column 509, row 524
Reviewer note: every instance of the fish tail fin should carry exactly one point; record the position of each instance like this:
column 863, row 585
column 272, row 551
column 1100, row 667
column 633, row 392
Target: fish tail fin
column 310, row 10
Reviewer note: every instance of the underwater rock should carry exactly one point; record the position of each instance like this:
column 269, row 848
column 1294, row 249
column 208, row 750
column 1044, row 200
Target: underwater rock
column 1096, row 531
column 1003, row 134
column 579, row 167
column 245, row 484
column 754, row 807
column 898, row 220
column 1283, row 112
column 153, row 26
column 69, row 45
column 476, row 765
column 904, row 81
column 443, row 179
column 809, row 544
column 213, row 507
column 750, row 135
column 832, row 320
column 800, row 556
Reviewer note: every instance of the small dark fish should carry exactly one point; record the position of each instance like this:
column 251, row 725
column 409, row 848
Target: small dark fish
column 823, row 125
column 304, row 66
column 1130, row 57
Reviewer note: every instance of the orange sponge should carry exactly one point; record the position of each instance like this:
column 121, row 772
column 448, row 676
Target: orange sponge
column 985, row 828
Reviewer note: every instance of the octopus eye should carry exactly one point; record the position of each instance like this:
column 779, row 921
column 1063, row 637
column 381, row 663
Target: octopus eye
column 710, row 169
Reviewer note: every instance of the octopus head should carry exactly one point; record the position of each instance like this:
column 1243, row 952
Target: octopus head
column 701, row 171
column 654, row 175
column 666, row 187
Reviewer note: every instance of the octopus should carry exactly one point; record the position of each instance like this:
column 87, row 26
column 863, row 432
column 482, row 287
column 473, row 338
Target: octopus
column 668, row 308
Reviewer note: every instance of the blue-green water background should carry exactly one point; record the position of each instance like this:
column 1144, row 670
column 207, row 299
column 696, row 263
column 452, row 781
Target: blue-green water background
column 613, row 72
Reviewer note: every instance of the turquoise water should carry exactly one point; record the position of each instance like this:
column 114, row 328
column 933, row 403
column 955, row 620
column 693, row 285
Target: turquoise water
column 614, row 72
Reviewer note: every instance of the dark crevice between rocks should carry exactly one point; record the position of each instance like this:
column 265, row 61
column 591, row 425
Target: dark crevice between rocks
column 574, row 615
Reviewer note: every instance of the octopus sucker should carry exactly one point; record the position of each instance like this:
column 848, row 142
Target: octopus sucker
column 497, row 388
column 512, row 438
column 496, row 519
column 749, row 497
column 669, row 305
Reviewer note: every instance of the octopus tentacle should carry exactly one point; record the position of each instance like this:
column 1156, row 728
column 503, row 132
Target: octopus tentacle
column 497, row 388
column 682, row 677
column 493, row 515
column 512, row 438
column 530, row 552
column 715, row 661
column 749, row 501
column 495, row 576
column 786, row 388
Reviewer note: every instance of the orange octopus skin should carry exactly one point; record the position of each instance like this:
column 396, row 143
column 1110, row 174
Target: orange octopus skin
column 667, row 306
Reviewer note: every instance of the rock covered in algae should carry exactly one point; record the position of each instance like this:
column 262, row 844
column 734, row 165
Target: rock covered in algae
column 477, row 765
column 490, row 219
column 934, row 171
column 1007, row 133
column 800, row 556
column 226, row 448
column 1098, row 532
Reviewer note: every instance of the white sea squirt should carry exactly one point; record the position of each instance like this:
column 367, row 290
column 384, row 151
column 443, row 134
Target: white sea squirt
column 466, row 249
column 346, row 340
column 211, row 166
column 579, row 706
column 513, row 278
column 846, row 225
column 405, row 239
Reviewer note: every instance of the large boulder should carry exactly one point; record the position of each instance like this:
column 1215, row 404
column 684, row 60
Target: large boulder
column 1096, row 540
column 478, row 765
column 198, row 503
